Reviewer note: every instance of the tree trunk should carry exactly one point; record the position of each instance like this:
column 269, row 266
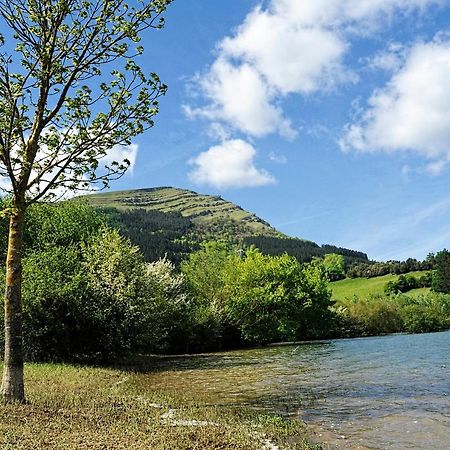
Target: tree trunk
column 12, row 388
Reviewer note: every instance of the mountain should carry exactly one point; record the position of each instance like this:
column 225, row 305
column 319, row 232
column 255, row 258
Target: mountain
column 173, row 221
column 209, row 213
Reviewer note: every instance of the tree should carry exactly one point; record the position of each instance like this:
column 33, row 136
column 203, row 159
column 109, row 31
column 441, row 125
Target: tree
column 334, row 266
column 60, row 114
column 441, row 276
column 258, row 298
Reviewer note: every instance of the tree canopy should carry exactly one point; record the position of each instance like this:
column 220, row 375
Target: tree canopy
column 70, row 90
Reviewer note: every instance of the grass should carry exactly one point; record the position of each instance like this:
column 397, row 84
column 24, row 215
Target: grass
column 74, row 407
column 362, row 287
column 188, row 203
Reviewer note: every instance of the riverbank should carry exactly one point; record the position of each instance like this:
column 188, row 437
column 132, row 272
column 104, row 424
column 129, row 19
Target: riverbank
column 344, row 389
column 74, row 407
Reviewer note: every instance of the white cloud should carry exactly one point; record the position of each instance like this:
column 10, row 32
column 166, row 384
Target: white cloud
column 289, row 57
column 120, row 153
column 219, row 131
column 289, row 47
column 230, row 164
column 390, row 59
column 240, row 97
column 436, row 168
column 412, row 112
column 278, row 158
column 354, row 13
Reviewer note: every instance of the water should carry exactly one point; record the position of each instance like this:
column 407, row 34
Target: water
column 390, row 392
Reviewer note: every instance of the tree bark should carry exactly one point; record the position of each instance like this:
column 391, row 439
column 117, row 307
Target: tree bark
column 12, row 388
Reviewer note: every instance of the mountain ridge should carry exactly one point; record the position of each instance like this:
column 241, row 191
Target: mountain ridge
column 173, row 221
column 202, row 209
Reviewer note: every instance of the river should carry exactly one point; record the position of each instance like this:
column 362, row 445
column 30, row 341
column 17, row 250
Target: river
column 389, row 392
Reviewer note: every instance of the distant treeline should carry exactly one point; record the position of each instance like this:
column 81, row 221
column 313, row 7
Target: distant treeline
column 159, row 234
column 372, row 269
column 304, row 251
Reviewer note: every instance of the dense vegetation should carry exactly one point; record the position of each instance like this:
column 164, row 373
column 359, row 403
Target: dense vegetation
column 303, row 250
column 89, row 294
column 371, row 269
column 441, row 277
column 175, row 236
column 157, row 234
column 261, row 298
column 211, row 215
column 406, row 283
column 381, row 314
column 390, row 303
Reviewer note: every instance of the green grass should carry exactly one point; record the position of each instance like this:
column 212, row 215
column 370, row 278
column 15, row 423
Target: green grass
column 97, row 408
column 188, row 203
column 362, row 287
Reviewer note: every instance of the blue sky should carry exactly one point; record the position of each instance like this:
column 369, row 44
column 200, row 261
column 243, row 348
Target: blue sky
column 328, row 118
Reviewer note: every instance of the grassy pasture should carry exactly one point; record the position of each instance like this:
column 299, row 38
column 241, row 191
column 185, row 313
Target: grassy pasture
column 362, row 287
column 202, row 209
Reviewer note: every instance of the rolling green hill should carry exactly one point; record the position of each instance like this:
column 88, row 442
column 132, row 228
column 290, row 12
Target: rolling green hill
column 172, row 221
column 362, row 287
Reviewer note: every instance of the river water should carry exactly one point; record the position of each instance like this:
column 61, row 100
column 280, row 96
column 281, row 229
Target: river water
column 390, row 392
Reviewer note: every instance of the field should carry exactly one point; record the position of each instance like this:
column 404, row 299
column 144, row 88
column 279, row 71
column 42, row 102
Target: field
column 74, row 407
column 362, row 287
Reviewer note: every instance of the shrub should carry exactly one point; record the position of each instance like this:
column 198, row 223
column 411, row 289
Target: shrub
column 441, row 276
column 405, row 283
column 169, row 309
column 259, row 298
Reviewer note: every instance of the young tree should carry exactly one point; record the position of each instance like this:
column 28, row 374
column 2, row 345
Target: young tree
column 441, row 277
column 334, row 266
column 69, row 92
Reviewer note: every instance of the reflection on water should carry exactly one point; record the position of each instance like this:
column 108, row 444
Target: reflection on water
column 390, row 392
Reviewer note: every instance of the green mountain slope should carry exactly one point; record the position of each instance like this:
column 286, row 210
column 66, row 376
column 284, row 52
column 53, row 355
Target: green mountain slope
column 210, row 214
column 171, row 221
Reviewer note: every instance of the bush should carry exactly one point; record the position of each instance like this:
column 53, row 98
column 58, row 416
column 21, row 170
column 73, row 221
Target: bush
column 82, row 303
column 373, row 315
column 441, row 276
column 96, row 299
column 426, row 313
column 256, row 298
column 406, row 283
column 386, row 314
column 170, row 309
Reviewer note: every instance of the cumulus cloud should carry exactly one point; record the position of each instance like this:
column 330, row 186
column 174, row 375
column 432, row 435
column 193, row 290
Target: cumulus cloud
column 290, row 57
column 120, row 153
column 230, row 164
column 240, row 97
column 412, row 112
column 289, row 47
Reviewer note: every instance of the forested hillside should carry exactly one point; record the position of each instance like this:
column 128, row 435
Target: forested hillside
column 170, row 221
